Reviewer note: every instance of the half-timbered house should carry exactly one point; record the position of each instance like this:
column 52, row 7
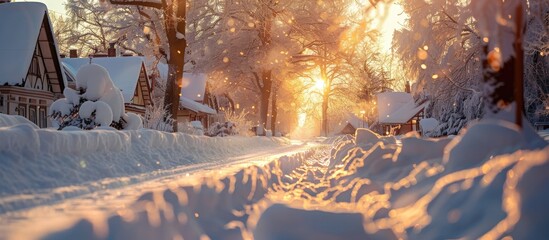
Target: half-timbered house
column 30, row 70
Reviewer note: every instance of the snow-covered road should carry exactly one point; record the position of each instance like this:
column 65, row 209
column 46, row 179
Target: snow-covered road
column 488, row 182
column 55, row 209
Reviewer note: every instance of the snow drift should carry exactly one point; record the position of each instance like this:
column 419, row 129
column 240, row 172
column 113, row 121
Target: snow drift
column 34, row 160
column 365, row 188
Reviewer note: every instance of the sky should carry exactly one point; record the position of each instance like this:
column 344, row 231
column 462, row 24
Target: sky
column 53, row 5
column 394, row 20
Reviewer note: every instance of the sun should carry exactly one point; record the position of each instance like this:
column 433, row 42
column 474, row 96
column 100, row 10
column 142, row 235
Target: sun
column 319, row 85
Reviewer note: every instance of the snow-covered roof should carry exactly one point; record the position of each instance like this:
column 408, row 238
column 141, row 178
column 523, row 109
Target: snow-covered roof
column 193, row 85
column 20, row 28
column 124, row 71
column 195, row 106
column 355, row 121
column 351, row 119
column 70, row 73
column 397, row 107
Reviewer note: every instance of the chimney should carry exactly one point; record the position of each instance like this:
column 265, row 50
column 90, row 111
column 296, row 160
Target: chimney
column 73, row 53
column 111, row 52
column 407, row 87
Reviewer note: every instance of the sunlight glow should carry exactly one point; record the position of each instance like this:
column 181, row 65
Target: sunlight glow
column 422, row 54
column 319, row 85
column 394, row 21
column 301, row 119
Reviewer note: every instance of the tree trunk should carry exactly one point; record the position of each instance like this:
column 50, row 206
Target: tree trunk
column 519, row 66
column 174, row 24
column 274, row 111
column 265, row 96
column 171, row 97
column 266, row 82
column 176, row 59
column 325, row 115
column 504, row 82
column 231, row 102
column 499, row 90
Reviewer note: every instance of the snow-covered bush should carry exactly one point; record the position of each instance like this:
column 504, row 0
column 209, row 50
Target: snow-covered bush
column 218, row 129
column 95, row 103
column 192, row 128
column 157, row 115
column 156, row 118
column 428, row 125
column 240, row 122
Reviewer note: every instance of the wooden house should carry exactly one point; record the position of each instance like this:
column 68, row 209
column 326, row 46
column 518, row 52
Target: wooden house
column 192, row 104
column 350, row 124
column 30, row 71
column 398, row 113
column 127, row 73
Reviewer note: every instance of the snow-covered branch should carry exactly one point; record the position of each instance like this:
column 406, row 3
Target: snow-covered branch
column 158, row 4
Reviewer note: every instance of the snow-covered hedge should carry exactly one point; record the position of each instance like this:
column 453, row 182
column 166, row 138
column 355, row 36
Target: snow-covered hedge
column 97, row 102
column 33, row 159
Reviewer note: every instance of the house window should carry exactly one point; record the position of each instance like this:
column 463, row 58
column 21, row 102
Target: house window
column 32, row 114
column 22, row 110
column 42, row 118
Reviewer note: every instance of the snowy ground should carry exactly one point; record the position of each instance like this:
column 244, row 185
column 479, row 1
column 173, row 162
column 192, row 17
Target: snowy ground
column 106, row 198
column 489, row 182
column 42, row 169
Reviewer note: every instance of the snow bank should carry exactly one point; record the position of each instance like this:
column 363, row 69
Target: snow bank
column 11, row 120
column 365, row 137
column 365, row 188
column 33, row 159
column 215, row 209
